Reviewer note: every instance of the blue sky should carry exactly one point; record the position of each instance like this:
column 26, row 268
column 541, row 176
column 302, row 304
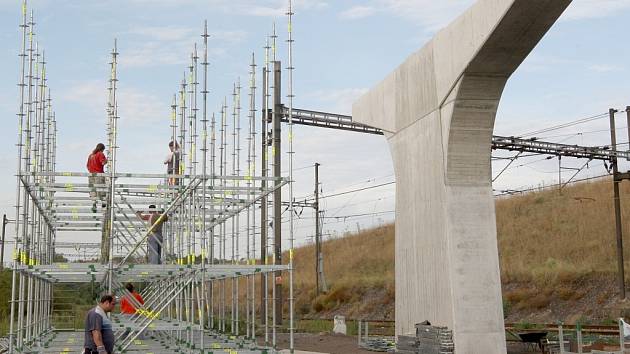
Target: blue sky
column 342, row 48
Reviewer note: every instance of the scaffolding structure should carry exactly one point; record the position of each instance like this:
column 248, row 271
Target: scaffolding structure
column 195, row 294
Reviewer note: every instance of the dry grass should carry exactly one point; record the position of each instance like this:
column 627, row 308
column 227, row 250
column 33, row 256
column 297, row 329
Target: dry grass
column 354, row 266
column 547, row 237
column 548, row 242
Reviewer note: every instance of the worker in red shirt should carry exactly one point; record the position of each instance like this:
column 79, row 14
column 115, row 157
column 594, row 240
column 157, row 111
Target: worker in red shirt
column 127, row 304
column 96, row 164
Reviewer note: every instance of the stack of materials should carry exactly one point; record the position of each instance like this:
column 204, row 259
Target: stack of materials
column 379, row 345
column 428, row 340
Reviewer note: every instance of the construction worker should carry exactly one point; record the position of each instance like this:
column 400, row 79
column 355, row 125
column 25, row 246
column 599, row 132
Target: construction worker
column 172, row 162
column 96, row 164
column 127, row 303
column 99, row 335
column 155, row 238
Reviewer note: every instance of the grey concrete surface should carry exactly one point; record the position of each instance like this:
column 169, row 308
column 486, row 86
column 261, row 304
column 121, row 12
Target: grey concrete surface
column 438, row 109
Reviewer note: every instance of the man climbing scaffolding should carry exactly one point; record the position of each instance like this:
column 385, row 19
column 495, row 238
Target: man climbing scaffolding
column 96, row 164
column 172, row 162
column 156, row 222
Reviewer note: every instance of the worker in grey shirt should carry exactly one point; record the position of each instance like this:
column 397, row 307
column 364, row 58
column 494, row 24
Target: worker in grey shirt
column 155, row 242
column 99, row 335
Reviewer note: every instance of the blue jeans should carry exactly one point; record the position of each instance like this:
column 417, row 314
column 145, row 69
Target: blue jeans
column 155, row 248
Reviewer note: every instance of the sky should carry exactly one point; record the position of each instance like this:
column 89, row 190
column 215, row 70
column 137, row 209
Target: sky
column 342, row 48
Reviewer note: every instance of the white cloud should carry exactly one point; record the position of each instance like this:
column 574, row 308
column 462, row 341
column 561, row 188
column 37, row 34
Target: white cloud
column 433, row 15
column 430, row 14
column 90, row 94
column 138, row 107
column 154, row 54
column 168, row 45
column 358, row 12
column 603, row 68
column 135, row 106
column 336, row 100
column 166, row 33
column 589, row 9
column 265, row 8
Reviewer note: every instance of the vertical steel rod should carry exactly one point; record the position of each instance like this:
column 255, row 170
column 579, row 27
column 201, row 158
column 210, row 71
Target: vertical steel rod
column 617, row 202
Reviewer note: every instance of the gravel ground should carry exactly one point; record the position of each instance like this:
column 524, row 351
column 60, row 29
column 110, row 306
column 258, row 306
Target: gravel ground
column 340, row 344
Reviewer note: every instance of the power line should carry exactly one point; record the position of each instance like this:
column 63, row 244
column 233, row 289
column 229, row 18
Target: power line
column 356, row 190
column 359, row 215
column 566, row 125
column 580, row 133
column 519, row 191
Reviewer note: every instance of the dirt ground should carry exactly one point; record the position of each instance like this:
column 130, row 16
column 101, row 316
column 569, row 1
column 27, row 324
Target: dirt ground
column 340, row 344
column 323, row 343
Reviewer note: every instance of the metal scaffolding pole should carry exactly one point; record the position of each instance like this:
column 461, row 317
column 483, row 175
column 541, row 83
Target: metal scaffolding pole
column 233, row 305
column 23, row 253
column 112, row 165
column 277, row 198
column 18, row 203
column 264, row 222
column 290, row 96
column 202, row 308
column 251, row 219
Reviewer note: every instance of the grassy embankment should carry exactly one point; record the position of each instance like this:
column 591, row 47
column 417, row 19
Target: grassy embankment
column 557, row 254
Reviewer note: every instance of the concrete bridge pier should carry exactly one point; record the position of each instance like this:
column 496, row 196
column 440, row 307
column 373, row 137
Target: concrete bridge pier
column 438, row 108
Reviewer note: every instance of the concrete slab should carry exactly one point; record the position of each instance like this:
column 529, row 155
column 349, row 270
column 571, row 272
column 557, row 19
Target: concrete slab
column 438, row 109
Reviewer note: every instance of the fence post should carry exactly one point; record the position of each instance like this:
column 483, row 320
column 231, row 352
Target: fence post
column 359, row 332
column 621, row 338
column 561, row 338
column 579, row 338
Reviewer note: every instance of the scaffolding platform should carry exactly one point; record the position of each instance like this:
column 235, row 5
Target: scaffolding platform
column 189, row 240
